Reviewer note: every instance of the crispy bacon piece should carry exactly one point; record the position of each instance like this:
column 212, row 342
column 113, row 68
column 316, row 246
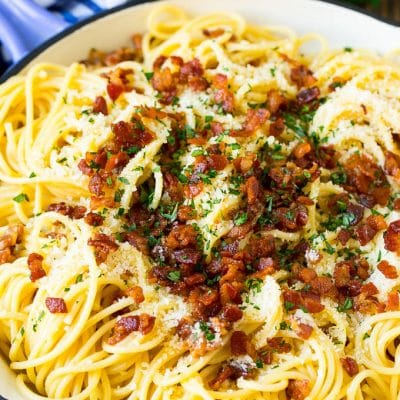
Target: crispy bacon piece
column 193, row 189
column 279, row 345
column 390, row 271
column 136, row 292
column 103, row 245
column 277, row 127
column 392, row 164
column 114, row 91
column 367, row 231
column 311, row 302
column 392, row 237
column 138, row 241
column 241, row 344
column 323, row 286
column 344, row 236
column 222, row 94
column 231, row 313
column 244, row 164
column 298, row 389
column 56, row 305
column 213, row 33
column 369, row 289
column 94, row 219
column 302, row 76
column 275, row 100
column 100, row 105
column 342, row 274
column 252, row 188
column 307, row 275
column 350, row 365
column 143, row 323
column 392, row 303
column 302, row 149
column 308, row 95
column 35, row 265
column 118, row 82
column 255, row 119
column 131, row 134
column 75, row 212
column 181, row 236
column 224, row 374
column 8, row 240
column 304, row 331
column 191, row 73
column 186, row 213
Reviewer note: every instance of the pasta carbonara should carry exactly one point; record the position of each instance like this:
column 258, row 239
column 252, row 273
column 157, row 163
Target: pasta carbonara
column 212, row 213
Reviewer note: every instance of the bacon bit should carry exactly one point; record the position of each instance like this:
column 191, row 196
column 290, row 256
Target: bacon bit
column 186, row 213
column 392, row 303
column 252, row 189
column 244, row 164
column 75, row 212
column 97, row 202
column 217, row 161
column 94, row 219
column 143, row 323
column 136, row 292
column 306, row 275
column 392, row 237
column 365, row 233
column 396, row 204
column 304, row 331
column 96, row 183
column 311, row 302
column 117, row 161
column 232, row 313
column 137, row 41
column 241, row 344
column 35, row 265
column 193, row 189
column 114, row 91
column 102, row 244
column 377, row 222
column 8, row 240
column 277, row 127
column 308, row 95
column 138, row 241
column 344, row 236
column 305, row 200
column 275, row 100
column 323, row 286
column 84, row 167
column 181, row 236
column 392, row 164
column 369, row 289
column 350, row 365
column 192, row 73
column 302, row 76
column 56, row 305
column 279, row 345
column 213, row 33
column 301, row 150
column 298, row 389
column 100, row 105
column 131, row 134
column 224, row 374
column 6, row 256
column 341, row 274
column 255, row 119
column 222, row 94
column 388, row 270
column 229, row 293
column 195, row 279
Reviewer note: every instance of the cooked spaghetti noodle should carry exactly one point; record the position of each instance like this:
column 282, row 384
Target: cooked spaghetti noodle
column 211, row 214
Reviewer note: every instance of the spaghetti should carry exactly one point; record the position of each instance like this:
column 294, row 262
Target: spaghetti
column 210, row 214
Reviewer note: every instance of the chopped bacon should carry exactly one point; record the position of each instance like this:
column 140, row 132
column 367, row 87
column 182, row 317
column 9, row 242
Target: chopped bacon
column 8, row 240
column 75, row 212
column 138, row 241
column 392, row 303
column 392, row 164
column 307, row 275
column 187, row 256
column 342, row 274
column 302, row 76
column 344, row 236
column 369, row 289
column 224, row 374
column 255, row 119
column 323, row 286
column 131, row 134
column 213, row 33
column 181, row 236
column 350, row 365
column 308, row 95
column 100, row 105
column 252, row 188
column 114, row 91
column 241, row 344
column 217, row 161
column 193, row 189
column 275, row 100
column 35, row 265
column 304, row 331
column 232, row 313
column 94, row 219
column 279, row 345
column 84, row 167
column 56, row 305
column 244, row 164
column 222, row 94
column 195, row 279
column 392, row 237
column 302, row 149
column 277, row 127
column 118, row 160
column 191, row 73
column 298, row 389
column 311, row 302
column 186, row 213
column 390, row 271
column 262, row 246
column 136, row 292
column 143, row 323
column 103, row 245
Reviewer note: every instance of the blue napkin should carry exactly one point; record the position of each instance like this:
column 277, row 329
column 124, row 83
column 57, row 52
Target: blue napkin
column 71, row 11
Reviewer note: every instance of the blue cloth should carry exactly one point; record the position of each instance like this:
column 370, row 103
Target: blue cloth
column 71, row 11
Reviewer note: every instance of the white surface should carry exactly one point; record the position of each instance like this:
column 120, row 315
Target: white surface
column 342, row 27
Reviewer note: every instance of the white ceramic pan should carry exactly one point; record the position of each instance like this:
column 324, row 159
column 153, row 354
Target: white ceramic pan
column 341, row 26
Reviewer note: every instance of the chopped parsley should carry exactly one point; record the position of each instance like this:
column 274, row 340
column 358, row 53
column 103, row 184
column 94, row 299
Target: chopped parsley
column 240, row 219
column 21, row 197
column 346, row 306
column 174, row 276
